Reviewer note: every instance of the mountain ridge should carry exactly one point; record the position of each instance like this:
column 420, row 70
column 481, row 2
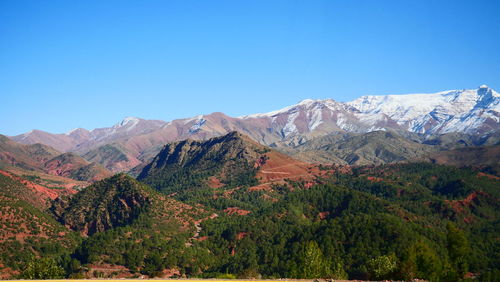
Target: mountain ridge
column 45, row 159
column 231, row 161
column 136, row 141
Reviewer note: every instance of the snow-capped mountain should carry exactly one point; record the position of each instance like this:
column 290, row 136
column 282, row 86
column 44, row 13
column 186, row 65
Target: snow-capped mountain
column 467, row 111
column 475, row 111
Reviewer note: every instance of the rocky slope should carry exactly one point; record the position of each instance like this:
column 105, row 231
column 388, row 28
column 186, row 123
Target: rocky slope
column 378, row 147
column 230, row 161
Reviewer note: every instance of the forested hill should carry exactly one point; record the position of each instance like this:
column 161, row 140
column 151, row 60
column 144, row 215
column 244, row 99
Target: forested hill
column 231, row 208
column 230, row 158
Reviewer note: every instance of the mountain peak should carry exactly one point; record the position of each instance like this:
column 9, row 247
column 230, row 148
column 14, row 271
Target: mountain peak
column 77, row 130
column 131, row 121
column 308, row 101
column 230, row 161
column 227, row 157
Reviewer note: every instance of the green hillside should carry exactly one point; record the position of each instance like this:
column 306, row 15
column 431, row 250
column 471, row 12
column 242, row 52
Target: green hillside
column 188, row 164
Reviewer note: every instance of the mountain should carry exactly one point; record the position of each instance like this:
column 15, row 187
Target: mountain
column 113, row 157
column 468, row 111
column 350, row 212
column 44, row 159
column 232, row 207
column 474, row 111
column 457, row 139
column 377, row 147
column 113, row 202
column 137, row 141
column 228, row 161
column 73, row 166
column 30, row 157
column 79, row 139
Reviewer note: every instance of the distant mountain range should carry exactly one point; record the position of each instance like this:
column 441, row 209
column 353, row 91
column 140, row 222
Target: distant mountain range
column 418, row 117
column 42, row 159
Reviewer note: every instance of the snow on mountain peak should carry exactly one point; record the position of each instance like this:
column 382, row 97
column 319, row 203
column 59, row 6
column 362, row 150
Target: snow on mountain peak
column 199, row 122
column 131, row 121
column 128, row 122
column 468, row 111
column 446, row 111
column 72, row 131
column 27, row 134
column 306, row 103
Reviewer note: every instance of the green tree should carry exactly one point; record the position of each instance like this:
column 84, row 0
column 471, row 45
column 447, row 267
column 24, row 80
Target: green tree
column 42, row 268
column 458, row 248
column 337, row 271
column 312, row 263
column 382, row 267
column 422, row 262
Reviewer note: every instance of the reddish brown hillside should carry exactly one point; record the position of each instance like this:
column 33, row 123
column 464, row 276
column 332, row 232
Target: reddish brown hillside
column 38, row 195
column 44, row 159
column 276, row 168
column 73, row 166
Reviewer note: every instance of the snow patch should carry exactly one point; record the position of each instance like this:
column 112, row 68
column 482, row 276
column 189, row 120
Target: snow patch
column 188, row 120
column 197, row 125
column 290, row 126
column 27, row 134
column 316, row 119
column 306, row 104
column 129, row 122
column 374, row 128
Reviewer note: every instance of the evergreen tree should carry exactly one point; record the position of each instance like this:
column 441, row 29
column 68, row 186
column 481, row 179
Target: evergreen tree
column 458, row 248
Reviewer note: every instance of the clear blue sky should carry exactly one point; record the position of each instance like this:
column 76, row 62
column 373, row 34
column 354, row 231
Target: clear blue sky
column 67, row 64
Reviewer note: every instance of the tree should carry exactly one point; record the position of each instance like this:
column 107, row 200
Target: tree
column 42, row 268
column 337, row 271
column 382, row 267
column 312, row 264
column 458, row 248
column 422, row 262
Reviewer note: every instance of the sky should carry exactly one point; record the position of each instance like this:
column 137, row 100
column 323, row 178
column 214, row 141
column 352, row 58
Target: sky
column 91, row 63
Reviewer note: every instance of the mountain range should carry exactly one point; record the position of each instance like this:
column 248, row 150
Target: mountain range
column 474, row 113
column 39, row 159
column 231, row 205
column 352, row 183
